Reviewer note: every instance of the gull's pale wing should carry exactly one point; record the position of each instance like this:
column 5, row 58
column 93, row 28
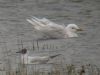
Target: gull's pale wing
column 38, row 22
column 42, row 23
column 43, row 20
column 35, row 24
column 46, row 21
column 53, row 32
column 47, row 27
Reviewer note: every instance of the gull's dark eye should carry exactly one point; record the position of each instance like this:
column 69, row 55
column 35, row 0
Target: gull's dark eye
column 73, row 28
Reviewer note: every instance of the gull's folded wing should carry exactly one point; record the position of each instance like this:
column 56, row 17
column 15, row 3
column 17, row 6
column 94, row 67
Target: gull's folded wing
column 46, row 21
column 47, row 27
column 36, row 24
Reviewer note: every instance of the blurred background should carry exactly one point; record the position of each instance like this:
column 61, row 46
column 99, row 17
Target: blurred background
column 17, row 33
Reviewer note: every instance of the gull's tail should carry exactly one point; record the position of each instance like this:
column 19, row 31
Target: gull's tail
column 54, row 56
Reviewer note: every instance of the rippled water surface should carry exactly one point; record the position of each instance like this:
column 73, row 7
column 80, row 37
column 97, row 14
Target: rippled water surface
column 85, row 13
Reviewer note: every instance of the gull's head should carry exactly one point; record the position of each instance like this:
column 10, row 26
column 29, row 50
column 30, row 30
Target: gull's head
column 72, row 30
column 23, row 51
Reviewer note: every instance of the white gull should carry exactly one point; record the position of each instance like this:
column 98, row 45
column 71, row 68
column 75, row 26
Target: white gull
column 50, row 29
column 26, row 59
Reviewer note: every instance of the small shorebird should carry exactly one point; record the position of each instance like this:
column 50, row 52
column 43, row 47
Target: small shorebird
column 26, row 59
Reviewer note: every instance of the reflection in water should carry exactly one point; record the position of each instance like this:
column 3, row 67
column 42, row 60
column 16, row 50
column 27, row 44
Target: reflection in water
column 13, row 15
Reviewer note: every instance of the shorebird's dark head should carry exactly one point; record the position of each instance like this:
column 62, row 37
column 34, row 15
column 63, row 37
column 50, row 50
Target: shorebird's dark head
column 23, row 51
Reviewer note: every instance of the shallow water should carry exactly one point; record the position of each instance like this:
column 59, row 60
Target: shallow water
column 85, row 13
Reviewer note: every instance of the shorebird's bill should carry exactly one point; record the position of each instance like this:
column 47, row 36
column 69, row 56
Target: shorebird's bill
column 18, row 52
